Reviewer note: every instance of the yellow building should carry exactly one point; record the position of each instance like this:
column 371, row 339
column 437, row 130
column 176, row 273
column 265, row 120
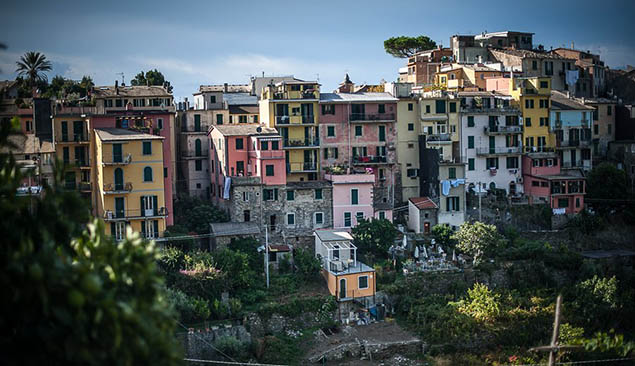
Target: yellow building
column 129, row 178
column 292, row 108
column 72, row 147
column 439, row 115
column 408, row 130
column 532, row 95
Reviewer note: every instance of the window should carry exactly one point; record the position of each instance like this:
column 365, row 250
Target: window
column 275, row 145
column 411, row 126
column 269, row 194
column 219, row 119
column 269, row 170
column 118, row 103
column 382, row 133
column 528, row 122
column 411, row 146
column 609, row 129
column 66, row 152
column 410, row 107
column 290, row 195
column 512, row 162
column 470, row 121
column 354, row 196
column 452, row 173
column 347, row 219
column 359, row 216
column 362, row 282
column 358, row 131
column 198, row 165
column 246, row 216
column 165, row 172
column 246, row 196
column 428, row 109
column 318, row 193
column 549, row 68
column 470, row 164
column 586, row 154
column 470, row 142
column 147, row 148
column 529, row 103
column 412, row 173
column 160, row 123
column 543, row 121
column 108, row 103
column 563, row 202
column 328, row 109
column 382, row 215
column 452, row 203
column 609, row 110
column 147, row 174
column 381, row 108
column 212, row 99
column 242, row 119
column 264, row 145
column 290, row 219
column 239, row 144
column 452, row 107
column 240, row 167
column 318, row 218
column 330, row 131
column 439, row 106
column 534, row 65
column 492, row 163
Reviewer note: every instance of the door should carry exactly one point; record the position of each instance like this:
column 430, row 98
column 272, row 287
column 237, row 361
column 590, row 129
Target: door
column 118, row 179
column 342, row 288
column 119, row 207
column 148, row 205
column 117, row 153
column 492, row 145
column 426, row 227
column 80, row 156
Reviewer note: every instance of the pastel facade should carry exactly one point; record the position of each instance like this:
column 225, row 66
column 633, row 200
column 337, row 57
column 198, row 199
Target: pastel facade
column 422, row 67
column 603, row 124
column 422, row 214
column 408, row 131
column 439, row 118
column 292, row 108
column 129, row 182
column 491, row 142
column 347, row 278
column 571, row 123
column 352, row 199
column 72, row 135
column 451, row 205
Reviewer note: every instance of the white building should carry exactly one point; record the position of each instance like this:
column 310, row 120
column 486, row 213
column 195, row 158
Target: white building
column 491, row 142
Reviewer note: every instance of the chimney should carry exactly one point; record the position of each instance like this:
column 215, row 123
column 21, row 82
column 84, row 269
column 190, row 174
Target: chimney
column 116, row 87
column 225, row 87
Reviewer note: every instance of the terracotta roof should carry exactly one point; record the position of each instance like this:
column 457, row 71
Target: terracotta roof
column 130, row 91
column 529, row 54
column 367, row 97
column 244, row 109
column 423, row 203
column 28, row 144
column 560, row 101
column 279, row 248
column 231, row 88
column 121, row 134
column 245, row 130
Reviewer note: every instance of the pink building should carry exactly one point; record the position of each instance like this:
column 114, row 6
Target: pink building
column 144, row 108
column 244, row 151
column 353, row 199
column 544, row 182
column 358, row 134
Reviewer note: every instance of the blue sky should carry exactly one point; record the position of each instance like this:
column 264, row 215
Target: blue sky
column 211, row 42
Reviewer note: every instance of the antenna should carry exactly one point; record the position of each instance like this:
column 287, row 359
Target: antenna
column 318, row 77
column 123, row 82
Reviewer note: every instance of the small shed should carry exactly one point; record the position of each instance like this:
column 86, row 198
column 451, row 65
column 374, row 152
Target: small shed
column 223, row 232
column 422, row 214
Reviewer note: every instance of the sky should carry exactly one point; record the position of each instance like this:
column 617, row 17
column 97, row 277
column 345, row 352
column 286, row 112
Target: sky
column 213, row 42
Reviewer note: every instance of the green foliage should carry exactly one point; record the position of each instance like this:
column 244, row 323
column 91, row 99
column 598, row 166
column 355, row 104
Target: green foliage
column 442, row 234
column 308, row 266
column 404, row 47
column 235, row 267
column 597, row 300
column 231, row 347
column 195, row 214
column 32, row 66
column 373, row 238
column 179, row 231
column 296, row 306
column 284, row 265
column 190, row 309
column 249, row 247
column 478, row 240
column 152, row 77
column 83, row 299
column 586, row 223
column 481, row 304
column 605, row 181
column 279, row 349
column 68, row 89
column 609, row 342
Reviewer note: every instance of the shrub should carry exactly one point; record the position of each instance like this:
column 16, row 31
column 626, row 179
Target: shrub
column 190, row 309
column 308, row 266
column 231, row 347
column 284, row 266
column 481, row 303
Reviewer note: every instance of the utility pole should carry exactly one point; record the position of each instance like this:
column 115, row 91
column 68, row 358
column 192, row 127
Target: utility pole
column 554, row 347
column 480, row 211
column 267, row 254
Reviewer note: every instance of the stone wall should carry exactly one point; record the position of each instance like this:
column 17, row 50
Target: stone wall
column 196, row 343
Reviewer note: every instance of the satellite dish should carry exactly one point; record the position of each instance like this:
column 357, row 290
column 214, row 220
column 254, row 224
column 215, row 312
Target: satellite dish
column 259, row 129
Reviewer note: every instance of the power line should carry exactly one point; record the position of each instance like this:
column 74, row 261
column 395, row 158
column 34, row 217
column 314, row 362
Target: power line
column 230, row 363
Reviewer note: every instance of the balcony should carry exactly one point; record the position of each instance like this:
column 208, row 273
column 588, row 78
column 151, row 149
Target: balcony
column 117, row 160
column 85, row 186
column 512, row 150
column 77, row 138
column 194, row 155
column 370, row 118
column 501, row 130
column 300, row 143
column 204, row 127
column 439, row 138
column 585, row 123
column 117, row 188
column 489, row 110
column 306, row 167
column 124, row 215
column 573, row 143
column 538, row 149
column 296, row 94
column 305, row 119
column 83, row 163
column 370, row 160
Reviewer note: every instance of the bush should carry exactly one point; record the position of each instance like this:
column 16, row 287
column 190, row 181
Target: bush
column 231, row 347
column 308, row 266
column 481, row 303
column 190, row 309
column 284, row 266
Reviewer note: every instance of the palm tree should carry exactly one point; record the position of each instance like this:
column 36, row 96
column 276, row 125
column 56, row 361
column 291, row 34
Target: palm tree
column 32, row 66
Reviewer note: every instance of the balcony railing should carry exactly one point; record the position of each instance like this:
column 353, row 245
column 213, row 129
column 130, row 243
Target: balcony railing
column 492, row 130
column 370, row 159
column 369, row 117
column 512, row 150
column 538, row 149
column 291, row 143
column 190, row 129
column 301, row 167
column 477, row 109
column 439, row 138
column 77, row 137
column 117, row 188
column 193, row 154
column 117, row 159
column 306, row 119
column 85, row 186
column 116, row 215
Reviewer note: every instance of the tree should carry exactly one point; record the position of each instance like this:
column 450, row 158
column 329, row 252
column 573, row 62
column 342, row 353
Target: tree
column 404, row 47
column 152, row 77
column 477, row 239
column 605, row 181
column 443, row 235
column 308, row 266
column 32, row 66
column 481, row 303
column 86, row 83
column 195, row 214
column 81, row 298
column 374, row 237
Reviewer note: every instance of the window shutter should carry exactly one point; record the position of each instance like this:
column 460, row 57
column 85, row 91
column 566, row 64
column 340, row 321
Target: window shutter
column 156, row 228
column 143, row 206
column 155, row 202
column 335, row 150
column 275, row 194
column 143, row 229
column 113, row 229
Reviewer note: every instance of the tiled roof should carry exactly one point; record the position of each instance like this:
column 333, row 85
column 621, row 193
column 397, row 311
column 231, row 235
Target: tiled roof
column 28, row 144
column 130, row 91
column 279, row 248
column 529, row 54
column 423, row 203
column 356, row 97
column 231, row 88
column 245, row 130
column 240, row 99
column 234, row 228
column 559, row 101
column 121, row 134
column 243, row 109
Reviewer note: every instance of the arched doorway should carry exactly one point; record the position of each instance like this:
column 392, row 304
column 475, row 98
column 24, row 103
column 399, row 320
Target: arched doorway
column 342, row 288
